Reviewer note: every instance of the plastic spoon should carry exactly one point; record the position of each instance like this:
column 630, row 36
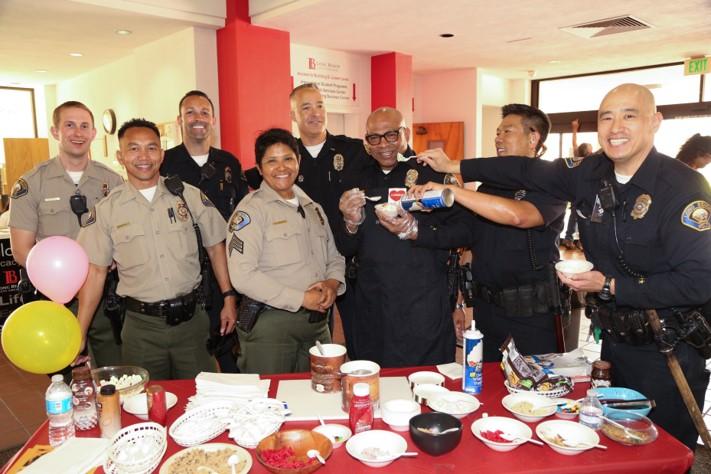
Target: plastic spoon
column 627, row 431
column 320, row 348
column 313, row 453
column 323, row 423
column 232, row 461
column 515, row 439
column 437, row 433
column 373, row 198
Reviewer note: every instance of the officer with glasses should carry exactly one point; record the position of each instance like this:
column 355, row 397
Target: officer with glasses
column 404, row 316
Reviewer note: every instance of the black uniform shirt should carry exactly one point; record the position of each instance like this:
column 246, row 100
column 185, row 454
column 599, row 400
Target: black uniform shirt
column 220, row 178
column 662, row 222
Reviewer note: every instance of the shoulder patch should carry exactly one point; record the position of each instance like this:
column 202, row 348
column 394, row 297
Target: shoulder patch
column 239, row 221
column 206, row 200
column 572, row 162
column 696, row 216
column 91, row 219
column 19, row 189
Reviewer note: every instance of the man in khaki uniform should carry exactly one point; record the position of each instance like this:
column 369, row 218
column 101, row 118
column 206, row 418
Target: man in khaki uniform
column 40, row 206
column 148, row 232
column 282, row 253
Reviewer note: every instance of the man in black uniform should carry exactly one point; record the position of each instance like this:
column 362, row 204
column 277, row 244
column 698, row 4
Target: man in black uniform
column 218, row 174
column 404, row 316
column 514, row 245
column 644, row 223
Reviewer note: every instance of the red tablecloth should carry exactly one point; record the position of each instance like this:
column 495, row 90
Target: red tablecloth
column 666, row 454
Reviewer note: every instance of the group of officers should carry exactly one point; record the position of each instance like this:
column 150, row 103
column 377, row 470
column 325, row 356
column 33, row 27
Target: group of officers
column 643, row 217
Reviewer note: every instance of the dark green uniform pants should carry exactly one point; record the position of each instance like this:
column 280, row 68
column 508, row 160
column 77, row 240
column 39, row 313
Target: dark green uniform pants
column 279, row 342
column 167, row 352
column 103, row 349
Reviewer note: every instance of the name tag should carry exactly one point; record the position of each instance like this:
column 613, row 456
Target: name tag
column 52, row 199
column 279, row 222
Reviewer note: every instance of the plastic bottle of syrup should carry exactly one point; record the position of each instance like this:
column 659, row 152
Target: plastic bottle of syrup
column 58, row 402
column 473, row 378
column 591, row 411
column 83, row 399
column 360, row 415
column 110, row 411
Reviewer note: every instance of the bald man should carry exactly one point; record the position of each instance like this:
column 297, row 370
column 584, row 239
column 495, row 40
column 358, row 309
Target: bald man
column 644, row 223
column 404, row 316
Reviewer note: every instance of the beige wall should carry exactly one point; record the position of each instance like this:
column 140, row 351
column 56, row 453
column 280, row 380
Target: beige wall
column 148, row 83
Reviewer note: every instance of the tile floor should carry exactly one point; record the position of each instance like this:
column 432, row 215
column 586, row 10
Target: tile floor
column 22, row 394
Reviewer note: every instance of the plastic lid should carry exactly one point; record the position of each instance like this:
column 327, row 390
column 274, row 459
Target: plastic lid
column 57, row 378
column 108, row 390
column 361, row 390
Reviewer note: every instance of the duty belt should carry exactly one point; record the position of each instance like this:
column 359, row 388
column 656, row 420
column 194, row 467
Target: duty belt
column 523, row 300
column 161, row 308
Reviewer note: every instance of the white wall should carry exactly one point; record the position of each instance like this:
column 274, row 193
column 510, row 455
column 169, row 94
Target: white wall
column 449, row 96
column 148, row 83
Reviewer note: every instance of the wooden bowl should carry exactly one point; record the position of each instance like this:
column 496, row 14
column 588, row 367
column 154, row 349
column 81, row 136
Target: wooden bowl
column 300, row 441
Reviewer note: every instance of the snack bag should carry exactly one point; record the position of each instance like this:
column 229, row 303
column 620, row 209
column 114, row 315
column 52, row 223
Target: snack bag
column 524, row 374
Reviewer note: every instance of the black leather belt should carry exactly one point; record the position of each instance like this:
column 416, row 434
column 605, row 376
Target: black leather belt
column 160, row 308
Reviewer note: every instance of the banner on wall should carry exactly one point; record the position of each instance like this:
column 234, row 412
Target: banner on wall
column 10, row 298
column 334, row 72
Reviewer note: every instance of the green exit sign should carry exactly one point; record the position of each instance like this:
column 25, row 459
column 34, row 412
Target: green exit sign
column 697, row 66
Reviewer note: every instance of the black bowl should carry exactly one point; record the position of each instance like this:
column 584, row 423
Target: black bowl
column 435, row 444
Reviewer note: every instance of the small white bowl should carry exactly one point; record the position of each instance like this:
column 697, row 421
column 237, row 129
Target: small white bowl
column 338, row 434
column 421, row 393
column 388, row 209
column 376, row 448
column 517, row 431
column 570, row 410
column 457, row 404
column 542, row 405
column 397, row 413
column 572, row 432
column 423, row 377
column 137, row 405
column 571, row 267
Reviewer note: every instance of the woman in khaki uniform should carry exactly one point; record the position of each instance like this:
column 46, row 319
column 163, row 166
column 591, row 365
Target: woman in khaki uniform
column 281, row 253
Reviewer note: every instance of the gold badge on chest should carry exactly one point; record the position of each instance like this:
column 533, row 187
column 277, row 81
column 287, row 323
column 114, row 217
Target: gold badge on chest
column 641, row 206
column 182, row 211
column 411, row 178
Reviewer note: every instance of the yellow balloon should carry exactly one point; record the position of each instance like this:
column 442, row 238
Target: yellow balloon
column 41, row 337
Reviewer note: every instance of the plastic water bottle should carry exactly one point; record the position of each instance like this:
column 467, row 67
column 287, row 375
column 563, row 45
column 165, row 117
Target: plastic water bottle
column 84, row 399
column 591, row 411
column 58, row 402
column 473, row 378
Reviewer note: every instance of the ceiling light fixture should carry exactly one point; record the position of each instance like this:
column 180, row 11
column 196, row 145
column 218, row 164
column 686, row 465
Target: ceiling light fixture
column 554, row 61
column 76, row 55
column 123, row 32
column 41, row 71
column 447, row 35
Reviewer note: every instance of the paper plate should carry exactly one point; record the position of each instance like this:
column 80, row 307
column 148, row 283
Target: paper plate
column 170, row 464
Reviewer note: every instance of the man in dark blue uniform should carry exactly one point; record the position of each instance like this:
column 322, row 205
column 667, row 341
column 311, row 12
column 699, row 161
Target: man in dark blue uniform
column 404, row 315
column 218, row 174
column 514, row 245
column 644, row 223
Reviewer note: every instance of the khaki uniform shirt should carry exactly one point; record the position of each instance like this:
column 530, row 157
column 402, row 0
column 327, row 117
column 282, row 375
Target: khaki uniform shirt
column 153, row 243
column 274, row 254
column 40, row 198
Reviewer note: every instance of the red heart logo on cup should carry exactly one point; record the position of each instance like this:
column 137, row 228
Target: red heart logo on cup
column 396, row 194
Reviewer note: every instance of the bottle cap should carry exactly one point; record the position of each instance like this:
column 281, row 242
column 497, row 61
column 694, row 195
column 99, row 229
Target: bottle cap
column 57, row 378
column 361, row 389
column 601, row 364
column 108, row 390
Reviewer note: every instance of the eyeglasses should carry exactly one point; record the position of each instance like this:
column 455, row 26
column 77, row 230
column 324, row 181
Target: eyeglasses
column 390, row 137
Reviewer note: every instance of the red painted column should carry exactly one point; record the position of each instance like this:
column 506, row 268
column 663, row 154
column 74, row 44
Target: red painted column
column 391, row 82
column 254, row 73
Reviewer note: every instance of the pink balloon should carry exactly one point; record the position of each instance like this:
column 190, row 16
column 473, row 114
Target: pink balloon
column 57, row 266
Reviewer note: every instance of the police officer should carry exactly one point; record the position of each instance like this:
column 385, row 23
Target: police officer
column 281, row 253
column 644, row 223
column 515, row 292
column 218, row 174
column 404, row 315
column 56, row 196
column 148, row 230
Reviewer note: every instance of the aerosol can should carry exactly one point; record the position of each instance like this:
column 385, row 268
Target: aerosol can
column 473, row 378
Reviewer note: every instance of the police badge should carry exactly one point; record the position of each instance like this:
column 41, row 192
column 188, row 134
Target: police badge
column 182, row 211
column 411, row 178
column 338, row 162
column 641, row 206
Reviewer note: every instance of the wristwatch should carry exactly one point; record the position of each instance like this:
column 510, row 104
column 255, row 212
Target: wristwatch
column 230, row 292
column 605, row 294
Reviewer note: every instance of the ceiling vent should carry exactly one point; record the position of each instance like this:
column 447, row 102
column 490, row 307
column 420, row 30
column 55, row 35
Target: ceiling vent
column 610, row 26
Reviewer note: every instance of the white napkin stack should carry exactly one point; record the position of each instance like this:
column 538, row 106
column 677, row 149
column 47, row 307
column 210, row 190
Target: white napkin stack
column 74, row 456
column 452, row 370
column 212, row 387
